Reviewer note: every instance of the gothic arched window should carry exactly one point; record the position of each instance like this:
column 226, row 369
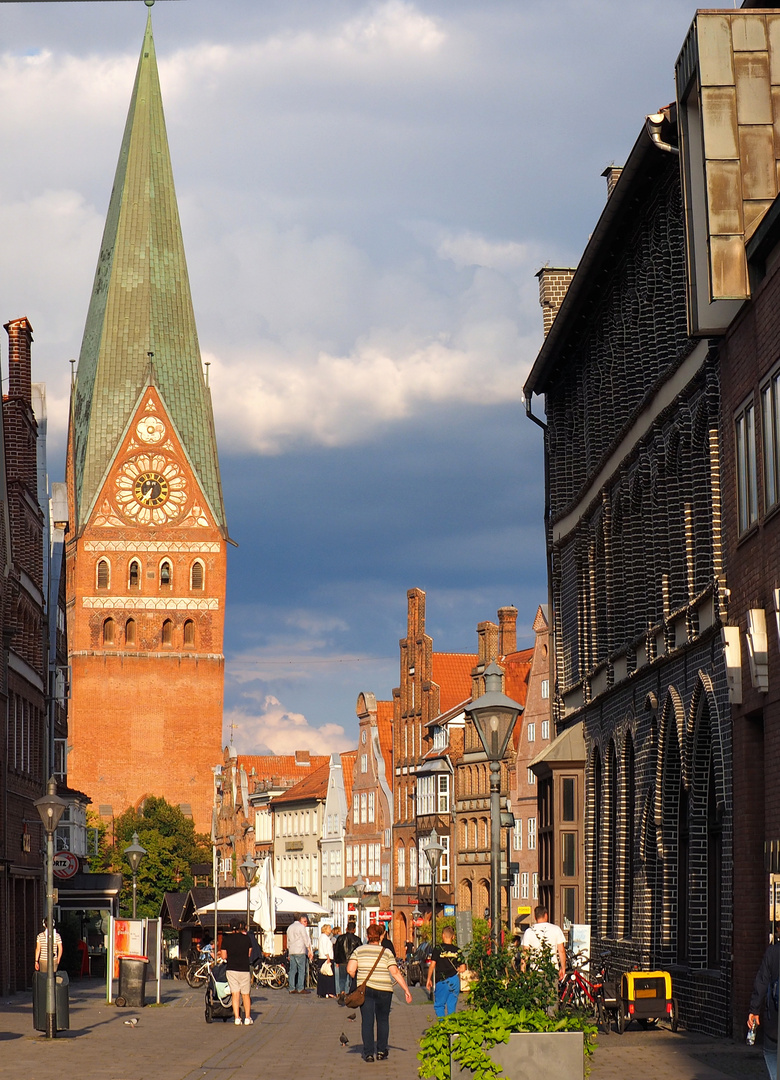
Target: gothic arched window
column 134, row 575
column 167, row 632
column 103, row 574
column 197, row 575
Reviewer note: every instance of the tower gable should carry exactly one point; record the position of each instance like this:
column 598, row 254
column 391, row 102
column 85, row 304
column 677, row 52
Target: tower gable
column 140, row 306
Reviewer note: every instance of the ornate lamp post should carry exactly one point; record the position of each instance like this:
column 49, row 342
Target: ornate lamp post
column 360, row 888
column 50, row 808
column 494, row 715
column 134, row 853
column 433, row 854
column 248, row 868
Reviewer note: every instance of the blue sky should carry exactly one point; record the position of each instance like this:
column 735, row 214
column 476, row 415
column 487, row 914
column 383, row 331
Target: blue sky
column 367, row 190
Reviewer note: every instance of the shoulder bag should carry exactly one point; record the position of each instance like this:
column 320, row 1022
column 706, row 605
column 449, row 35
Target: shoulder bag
column 358, row 995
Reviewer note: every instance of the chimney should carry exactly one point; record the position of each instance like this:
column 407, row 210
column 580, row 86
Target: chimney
column 487, row 652
column 554, row 282
column 612, row 175
column 19, row 359
column 507, row 631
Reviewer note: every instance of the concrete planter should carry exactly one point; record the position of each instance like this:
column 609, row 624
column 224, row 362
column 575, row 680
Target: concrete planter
column 536, row 1055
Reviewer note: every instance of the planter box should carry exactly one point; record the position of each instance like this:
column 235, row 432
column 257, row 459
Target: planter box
column 536, row 1055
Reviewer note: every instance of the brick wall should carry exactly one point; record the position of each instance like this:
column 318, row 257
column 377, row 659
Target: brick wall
column 750, row 352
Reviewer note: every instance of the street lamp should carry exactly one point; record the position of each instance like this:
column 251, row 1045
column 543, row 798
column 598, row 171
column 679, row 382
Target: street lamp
column 134, row 853
column 494, row 715
column 50, row 808
column 248, row 868
column 360, row 888
column 433, row 853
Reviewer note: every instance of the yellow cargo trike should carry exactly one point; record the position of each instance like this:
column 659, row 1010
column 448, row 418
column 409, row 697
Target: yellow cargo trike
column 646, row 996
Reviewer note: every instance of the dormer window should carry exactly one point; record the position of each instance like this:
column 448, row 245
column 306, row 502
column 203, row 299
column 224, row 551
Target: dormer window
column 440, row 737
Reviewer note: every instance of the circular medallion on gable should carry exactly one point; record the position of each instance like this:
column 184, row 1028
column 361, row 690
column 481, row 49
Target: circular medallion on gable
column 150, row 429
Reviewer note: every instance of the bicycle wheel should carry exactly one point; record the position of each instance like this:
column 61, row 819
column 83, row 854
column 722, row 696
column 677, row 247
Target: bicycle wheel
column 602, row 1017
column 195, row 975
column 278, row 977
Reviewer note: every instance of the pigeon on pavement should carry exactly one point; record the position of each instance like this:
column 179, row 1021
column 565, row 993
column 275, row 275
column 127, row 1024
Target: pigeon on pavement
column 132, row 1023
column 351, row 1016
column 343, row 1040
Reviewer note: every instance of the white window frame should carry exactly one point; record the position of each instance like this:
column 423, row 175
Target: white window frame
column 746, row 466
column 532, row 834
column 531, row 732
column 443, row 794
column 545, row 729
column 770, row 435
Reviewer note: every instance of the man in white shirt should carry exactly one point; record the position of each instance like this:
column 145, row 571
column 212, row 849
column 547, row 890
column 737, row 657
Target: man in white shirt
column 300, row 952
column 545, row 933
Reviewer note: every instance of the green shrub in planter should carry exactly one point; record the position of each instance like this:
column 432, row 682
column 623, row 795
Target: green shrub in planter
column 504, row 999
column 478, row 1031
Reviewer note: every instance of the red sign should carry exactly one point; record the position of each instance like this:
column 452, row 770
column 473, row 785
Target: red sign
column 385, row 915
column 66, row 864
column 417, row 922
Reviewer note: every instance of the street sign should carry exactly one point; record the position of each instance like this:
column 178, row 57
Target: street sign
column 385, row 915
column 418, row 922
column 66, row 864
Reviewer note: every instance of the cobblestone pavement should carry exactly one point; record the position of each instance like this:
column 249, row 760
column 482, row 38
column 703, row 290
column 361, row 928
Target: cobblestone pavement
column 297, row 1037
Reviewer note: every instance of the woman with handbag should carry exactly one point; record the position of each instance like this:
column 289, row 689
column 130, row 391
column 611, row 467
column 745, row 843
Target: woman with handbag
column 375, row 970
column 326, row 981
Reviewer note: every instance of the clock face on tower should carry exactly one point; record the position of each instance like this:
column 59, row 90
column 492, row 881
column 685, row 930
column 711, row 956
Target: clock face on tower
column 150, row 489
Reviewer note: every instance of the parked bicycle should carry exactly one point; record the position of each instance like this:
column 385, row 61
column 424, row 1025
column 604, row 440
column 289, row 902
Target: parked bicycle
column 266, row 973
column 198, row 971
column 589, row 995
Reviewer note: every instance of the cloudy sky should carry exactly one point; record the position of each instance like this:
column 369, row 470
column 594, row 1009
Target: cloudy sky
column 367, row 190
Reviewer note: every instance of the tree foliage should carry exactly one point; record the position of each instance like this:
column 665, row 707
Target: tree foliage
column 171, row 845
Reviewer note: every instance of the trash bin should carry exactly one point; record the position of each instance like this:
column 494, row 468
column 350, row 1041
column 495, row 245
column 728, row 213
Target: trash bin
column 132, row 981
column 61, row 1005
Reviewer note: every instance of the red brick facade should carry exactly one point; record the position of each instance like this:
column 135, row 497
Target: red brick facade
column 146, row 604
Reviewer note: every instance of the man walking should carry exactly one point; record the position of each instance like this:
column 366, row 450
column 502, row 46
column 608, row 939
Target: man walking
column 446, row 963
column 343, row 947
column 300, row 952
column 541, row 935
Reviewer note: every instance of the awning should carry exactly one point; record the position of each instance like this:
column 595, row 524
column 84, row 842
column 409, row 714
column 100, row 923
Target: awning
column 89, row 892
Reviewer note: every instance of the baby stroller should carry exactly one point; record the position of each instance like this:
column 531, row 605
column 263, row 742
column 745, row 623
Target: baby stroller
column 219, row 1001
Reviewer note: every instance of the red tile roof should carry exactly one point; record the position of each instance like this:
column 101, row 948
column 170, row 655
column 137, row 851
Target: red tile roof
column 348, row 760
column 384, row 723
column 517, row 668
column 312, row 787
column 452, row 673
column 279, row 770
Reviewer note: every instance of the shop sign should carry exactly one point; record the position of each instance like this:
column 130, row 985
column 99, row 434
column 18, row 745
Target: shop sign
column 66, row 864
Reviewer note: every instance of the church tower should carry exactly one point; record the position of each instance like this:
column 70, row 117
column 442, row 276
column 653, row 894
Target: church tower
column 146, row 547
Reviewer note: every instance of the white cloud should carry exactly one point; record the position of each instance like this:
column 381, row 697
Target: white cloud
column 275, row 730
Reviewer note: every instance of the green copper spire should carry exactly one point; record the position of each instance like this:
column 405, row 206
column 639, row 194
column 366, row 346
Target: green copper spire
column 141, row 304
